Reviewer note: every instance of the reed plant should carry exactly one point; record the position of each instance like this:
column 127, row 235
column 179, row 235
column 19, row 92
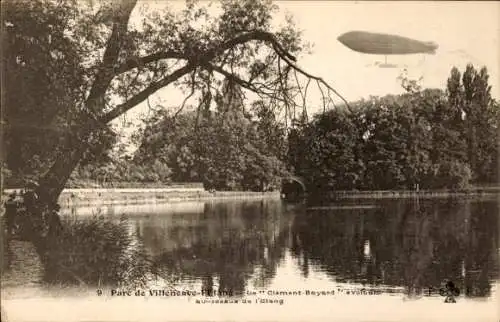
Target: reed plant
column 96, row 251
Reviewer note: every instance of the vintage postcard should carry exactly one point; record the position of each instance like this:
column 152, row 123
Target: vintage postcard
column 250, row 160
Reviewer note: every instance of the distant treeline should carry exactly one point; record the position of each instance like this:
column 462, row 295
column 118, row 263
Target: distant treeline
column 430, row 138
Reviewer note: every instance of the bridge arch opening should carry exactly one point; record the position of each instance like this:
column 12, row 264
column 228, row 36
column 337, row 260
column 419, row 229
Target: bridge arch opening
column 293, row 188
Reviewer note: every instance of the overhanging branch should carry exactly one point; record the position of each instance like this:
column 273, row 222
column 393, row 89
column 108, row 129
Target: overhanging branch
column 204, row 60
column 193, row 87
column 144, row 94
column 138, row 62
column 310, row 76
column 249, row 36
column 209, row 54
column 243, row 83
column 231, row 76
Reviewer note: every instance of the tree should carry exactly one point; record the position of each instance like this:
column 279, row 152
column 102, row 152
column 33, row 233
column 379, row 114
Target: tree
column 394, row 142
column 270, row 129
column 123, row 63
column 42, row 78
column 476, row 117
column 326, row 152
column 231, row 148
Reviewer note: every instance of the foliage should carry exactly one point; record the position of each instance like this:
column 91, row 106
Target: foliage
column 452, row 174
column 94, row 61
column 96, row 251
column 121, row 170
column 71, row 68
column 42, row 80
column 396, row 142
column 430, row 138
column 330, row 152
column 226, row 149
column 469, row 95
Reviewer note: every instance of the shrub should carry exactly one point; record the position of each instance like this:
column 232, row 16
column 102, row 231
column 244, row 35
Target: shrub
column 450, row 174
column 96, row 252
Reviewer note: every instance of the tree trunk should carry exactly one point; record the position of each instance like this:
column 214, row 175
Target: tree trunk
column 52, row 183
column 51, row 186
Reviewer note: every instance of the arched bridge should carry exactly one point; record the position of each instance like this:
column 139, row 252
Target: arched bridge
column 293, row 187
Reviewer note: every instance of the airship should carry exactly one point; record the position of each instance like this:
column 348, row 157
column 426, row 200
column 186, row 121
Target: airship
column 385, row 44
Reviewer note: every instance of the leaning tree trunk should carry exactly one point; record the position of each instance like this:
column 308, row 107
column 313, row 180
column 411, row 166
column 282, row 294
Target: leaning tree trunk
column 71, row 152
column 52, row 183
column 54, row 180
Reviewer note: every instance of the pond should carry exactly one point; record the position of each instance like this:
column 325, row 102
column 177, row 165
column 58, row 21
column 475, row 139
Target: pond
column 390, row 257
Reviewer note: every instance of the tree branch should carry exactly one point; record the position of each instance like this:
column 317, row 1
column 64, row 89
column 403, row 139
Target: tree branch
column 144, row 94
column 106, row 73
column 193, row 87
column 243, row 83
column 318, row 79
column 232, row 76
column 138, row 62
column 203, row 59
column 209, row 54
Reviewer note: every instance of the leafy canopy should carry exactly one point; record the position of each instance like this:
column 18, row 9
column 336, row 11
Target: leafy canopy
column 80, row 65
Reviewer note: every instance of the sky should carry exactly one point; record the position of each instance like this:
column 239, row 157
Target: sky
column 466, row 32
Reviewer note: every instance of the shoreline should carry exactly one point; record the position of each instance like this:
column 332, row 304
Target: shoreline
column 388, row 194
column 160, row 196
column 129, row 196
column 124, row 196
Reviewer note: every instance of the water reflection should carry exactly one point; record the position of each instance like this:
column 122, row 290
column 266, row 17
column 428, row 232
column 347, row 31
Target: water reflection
column 414, row 245
column 224, row 246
